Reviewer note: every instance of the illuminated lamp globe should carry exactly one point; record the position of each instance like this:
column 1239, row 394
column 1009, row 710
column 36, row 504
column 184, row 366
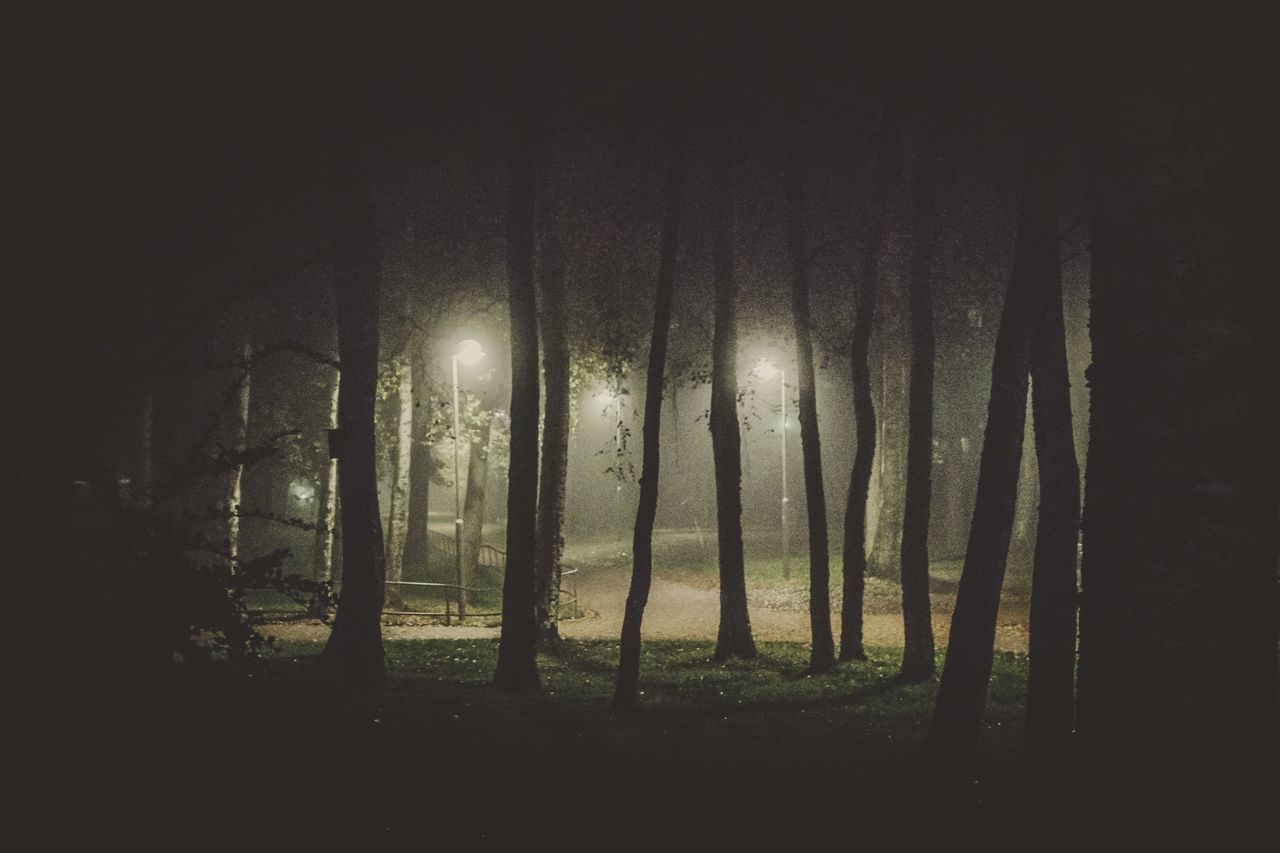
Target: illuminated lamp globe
column 764, row 369
column 469, row 352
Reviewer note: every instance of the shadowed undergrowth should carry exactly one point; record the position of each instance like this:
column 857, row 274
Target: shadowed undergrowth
column 749, row 750
column 444, row 755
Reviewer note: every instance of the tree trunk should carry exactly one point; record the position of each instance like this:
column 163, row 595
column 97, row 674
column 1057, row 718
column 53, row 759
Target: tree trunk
column 356, row 639
column 1051, row 682
column 917, row 619
column 822, row 647
column 473, row 505
column 327, row 505
column 398, row 514
column 555, row 432
column 517, row 668
column 854, row 567
column 146, row 445
column 239, row 443
column 734, row 638
column 962, row 694
column 1178, row 621
column 422, row 466
column 1023, row 540
column 886, row 550
column 647, row 508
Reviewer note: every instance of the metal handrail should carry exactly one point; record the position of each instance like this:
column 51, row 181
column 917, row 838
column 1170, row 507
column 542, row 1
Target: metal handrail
column 564, row 599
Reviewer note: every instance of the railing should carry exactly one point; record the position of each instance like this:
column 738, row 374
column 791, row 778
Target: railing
column 440, row 542
column 572, row 594
column 490, row 556
column 450, row 600
column 490, row 559
column 564, row 598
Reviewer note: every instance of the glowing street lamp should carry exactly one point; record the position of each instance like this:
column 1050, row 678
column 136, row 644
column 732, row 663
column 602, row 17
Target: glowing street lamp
column 469, row 353
column 765, row 370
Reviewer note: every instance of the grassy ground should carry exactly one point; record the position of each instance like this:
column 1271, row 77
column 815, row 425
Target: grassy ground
column 690, row 557
column 751, row 753
column 277, row 747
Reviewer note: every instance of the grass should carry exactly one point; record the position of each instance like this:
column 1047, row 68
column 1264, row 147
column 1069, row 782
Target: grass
column 690, row 557
column 770, row 702
column 440, row 754
column 749, row 752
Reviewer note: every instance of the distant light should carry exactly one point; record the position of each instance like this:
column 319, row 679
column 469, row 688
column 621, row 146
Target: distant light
column 765, row 369
column 302, row 492
column 469, row 352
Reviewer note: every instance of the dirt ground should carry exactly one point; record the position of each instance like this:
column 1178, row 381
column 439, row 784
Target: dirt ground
column 679, row 610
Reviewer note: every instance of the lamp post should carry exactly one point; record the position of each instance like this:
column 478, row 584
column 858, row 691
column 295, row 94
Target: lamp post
column 469, row 353
column 766, row 370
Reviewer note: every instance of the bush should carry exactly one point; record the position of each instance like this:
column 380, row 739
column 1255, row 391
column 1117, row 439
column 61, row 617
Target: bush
column 159, row 588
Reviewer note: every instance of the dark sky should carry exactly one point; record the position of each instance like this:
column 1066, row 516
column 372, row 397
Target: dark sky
column 168, row 157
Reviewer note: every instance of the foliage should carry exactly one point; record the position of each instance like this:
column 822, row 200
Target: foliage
column 608, row 377
column 173, row 588
column 161, row 572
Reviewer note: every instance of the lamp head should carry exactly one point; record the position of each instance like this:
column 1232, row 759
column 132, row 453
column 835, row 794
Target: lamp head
column 469, row 352
column 765, row 369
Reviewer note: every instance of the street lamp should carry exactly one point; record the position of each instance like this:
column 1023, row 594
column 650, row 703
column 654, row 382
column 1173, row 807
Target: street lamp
column 469, row 353
column 765, row 370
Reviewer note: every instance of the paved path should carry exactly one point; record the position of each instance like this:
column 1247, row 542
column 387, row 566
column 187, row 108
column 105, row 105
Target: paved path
column 683, row 611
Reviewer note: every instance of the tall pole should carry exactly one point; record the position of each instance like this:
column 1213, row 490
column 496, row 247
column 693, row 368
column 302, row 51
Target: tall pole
column 457, row 499
column 786, row 565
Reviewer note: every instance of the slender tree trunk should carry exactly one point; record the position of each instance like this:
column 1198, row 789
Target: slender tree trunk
column 555, row 431
column 962, row 695
column 1178, row 621
column 327, row 505
column 822, row 647
column 239, row 443
column 356, row 639
column 1051, row 683
column 647, row 508
column 517, row 650
column 1023, row 542
column 886, row 550
column 855, row 513
column 398, row 514
column 734, row 639
column 422, row 466
column 474, row 503
column 917, row 618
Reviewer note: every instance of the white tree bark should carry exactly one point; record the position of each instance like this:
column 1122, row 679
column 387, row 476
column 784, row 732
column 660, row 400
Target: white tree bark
column 398, row 517
column 327, row 506
column 240, row 442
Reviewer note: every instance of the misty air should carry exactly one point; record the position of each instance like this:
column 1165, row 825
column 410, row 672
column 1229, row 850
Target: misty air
column 711, row 427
